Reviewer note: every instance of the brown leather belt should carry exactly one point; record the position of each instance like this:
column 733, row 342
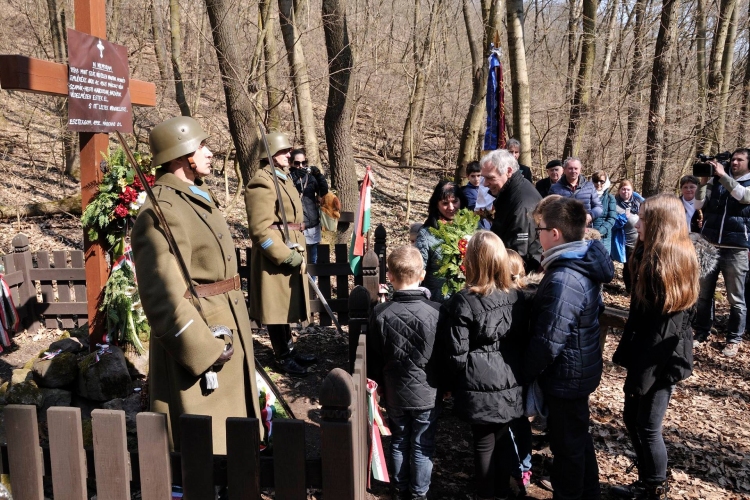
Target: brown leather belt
column 292, row 227
column 210, row 289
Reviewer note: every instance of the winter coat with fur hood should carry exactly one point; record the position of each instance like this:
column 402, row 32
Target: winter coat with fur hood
column 656, row 347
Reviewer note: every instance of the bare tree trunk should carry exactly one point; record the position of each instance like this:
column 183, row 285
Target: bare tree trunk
column 159, row 48
column 472, row 129
column 574, row 13
column 300, row 79
column 412, row 136
column 113, row 23
column 241, row 111
column 519, row 79
column 336, row 121
column 633, row 91
column 56, row 14
column 198, row 58
column 582, row 96
column 745, row 107
column 702, row 69
column 612, row 8
column 726, row 79
column 708, row 135
column 665, row 42
column 179, row 85
column 273, row 92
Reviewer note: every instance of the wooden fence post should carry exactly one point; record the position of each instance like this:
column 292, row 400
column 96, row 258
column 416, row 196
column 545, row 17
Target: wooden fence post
column 359, row 315
column 27, row 288
column 380, row 248
column 111, row 458
column 153, row 456
column 338, row 436
column 370, row 274
column 66, row 453
column 24, row 453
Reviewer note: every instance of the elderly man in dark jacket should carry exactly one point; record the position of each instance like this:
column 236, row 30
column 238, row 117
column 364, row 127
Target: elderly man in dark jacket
column 564, row 354
column 574, row 185
column 515, row 201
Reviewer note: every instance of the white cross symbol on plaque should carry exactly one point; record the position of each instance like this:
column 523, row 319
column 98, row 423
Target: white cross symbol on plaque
column 101, row 49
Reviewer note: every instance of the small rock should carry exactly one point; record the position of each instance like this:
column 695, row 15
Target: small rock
column 105, row 379
column 20, row 375
column 25, row 393
column 57, row 372
column 55, row 397
column 70, row 344
column 130, row 405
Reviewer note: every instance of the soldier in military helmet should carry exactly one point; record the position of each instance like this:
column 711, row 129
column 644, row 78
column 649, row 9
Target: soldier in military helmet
column 279, row 294
column 192, row 369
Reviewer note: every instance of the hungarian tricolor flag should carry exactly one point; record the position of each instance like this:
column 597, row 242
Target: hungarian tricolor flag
column 494, row 136
column 361, row 225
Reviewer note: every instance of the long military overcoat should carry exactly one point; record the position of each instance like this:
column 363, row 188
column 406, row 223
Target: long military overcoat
column 182, row 346
column 278, row 292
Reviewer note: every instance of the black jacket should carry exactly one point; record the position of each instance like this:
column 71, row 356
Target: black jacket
column 526, row 171
column 484, row 336
column 564, row 351
column 514, row 223
column 400, row 350
column 543, row 186
column 311, row 185
column 657, row 348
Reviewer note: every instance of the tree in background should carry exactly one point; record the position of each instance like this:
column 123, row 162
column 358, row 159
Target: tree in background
column 519, row 78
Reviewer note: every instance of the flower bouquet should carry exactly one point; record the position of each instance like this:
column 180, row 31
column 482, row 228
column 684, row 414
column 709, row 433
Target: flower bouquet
column 121, row 304
column 121, row 194
column 455, row 236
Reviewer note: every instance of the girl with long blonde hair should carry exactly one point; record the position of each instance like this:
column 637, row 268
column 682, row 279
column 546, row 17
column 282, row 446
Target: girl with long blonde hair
column 485, row 323
column 657, row 344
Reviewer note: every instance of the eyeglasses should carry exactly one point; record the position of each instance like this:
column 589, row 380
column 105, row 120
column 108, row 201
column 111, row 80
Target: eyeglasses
column 598, row 182
column 538, row 229
column 303, row 162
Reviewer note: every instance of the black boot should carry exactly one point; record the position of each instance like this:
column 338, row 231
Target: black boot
column 289, row 366
column 633, row 490
column 655, row 492
column 304, row 359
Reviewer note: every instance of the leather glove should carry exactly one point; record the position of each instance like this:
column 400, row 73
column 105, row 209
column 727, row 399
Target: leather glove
column 295, row 258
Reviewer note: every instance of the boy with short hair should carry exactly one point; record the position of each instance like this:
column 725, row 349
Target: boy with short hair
column 401, row 359
column 564, row 352
column 474, row 178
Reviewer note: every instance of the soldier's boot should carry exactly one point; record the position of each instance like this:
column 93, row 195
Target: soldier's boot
column 289, row 366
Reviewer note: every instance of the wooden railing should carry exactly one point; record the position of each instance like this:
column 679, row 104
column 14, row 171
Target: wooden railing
column 341, row 470
column 62, row 281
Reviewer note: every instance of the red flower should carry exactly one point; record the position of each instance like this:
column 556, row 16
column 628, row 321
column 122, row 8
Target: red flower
column 150, row 179
column 128, row 195
column 462, row 268
column 462, row 244
column 121, row 211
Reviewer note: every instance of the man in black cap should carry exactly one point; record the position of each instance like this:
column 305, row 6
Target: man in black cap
column 554, row 172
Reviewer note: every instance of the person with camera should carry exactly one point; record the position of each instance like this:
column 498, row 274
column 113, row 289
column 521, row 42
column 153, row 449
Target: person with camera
column 312, row 186
column 725, row 200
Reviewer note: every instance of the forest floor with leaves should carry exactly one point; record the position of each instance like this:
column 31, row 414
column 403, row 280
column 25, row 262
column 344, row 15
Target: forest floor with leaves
column 706, row 428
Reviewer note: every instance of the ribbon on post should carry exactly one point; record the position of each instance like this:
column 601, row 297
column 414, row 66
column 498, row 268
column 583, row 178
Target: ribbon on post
column 377, row 465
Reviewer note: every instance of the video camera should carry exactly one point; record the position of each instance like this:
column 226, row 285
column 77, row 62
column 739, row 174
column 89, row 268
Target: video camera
column 704, row 169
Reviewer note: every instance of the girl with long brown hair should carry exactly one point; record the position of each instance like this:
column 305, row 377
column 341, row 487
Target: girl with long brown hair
column 656, row 346
column 485, row 324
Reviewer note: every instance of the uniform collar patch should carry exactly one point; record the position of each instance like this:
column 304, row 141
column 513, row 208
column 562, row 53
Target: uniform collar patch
column 280, row 174
column 201, row 193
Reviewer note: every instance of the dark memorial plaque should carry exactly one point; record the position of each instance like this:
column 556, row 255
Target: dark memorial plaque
column 98, row 85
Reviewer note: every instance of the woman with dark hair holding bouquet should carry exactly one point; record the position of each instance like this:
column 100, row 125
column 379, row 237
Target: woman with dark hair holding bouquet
column 657, row 344
column 446, row 200
column 483, row 327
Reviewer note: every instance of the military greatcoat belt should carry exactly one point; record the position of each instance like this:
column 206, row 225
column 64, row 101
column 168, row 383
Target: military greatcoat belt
column 217, row 288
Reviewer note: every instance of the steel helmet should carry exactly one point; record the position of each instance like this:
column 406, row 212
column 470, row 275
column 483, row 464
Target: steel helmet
column 173, row 138
column 277, row 141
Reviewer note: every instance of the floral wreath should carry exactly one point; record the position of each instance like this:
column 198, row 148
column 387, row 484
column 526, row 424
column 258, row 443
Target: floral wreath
column 455, row 236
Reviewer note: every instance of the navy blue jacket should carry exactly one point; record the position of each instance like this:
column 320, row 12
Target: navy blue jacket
column 400, row 350
column 564, row 353
column 585, row 192
column 606, row 221
column 726, row 219
column 470, row 191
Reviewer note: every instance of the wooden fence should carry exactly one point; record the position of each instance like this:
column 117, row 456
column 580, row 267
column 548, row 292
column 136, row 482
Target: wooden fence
column 52, row 292
column 341, row 470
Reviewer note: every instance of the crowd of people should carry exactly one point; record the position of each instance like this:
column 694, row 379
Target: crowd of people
column 522, row 339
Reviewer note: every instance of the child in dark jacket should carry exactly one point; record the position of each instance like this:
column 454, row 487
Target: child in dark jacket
column 564, row 352
column 483, row 326
column 400, row 358
column 657, row 343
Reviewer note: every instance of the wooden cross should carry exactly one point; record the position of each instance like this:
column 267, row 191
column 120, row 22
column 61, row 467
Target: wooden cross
column 45, row 77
